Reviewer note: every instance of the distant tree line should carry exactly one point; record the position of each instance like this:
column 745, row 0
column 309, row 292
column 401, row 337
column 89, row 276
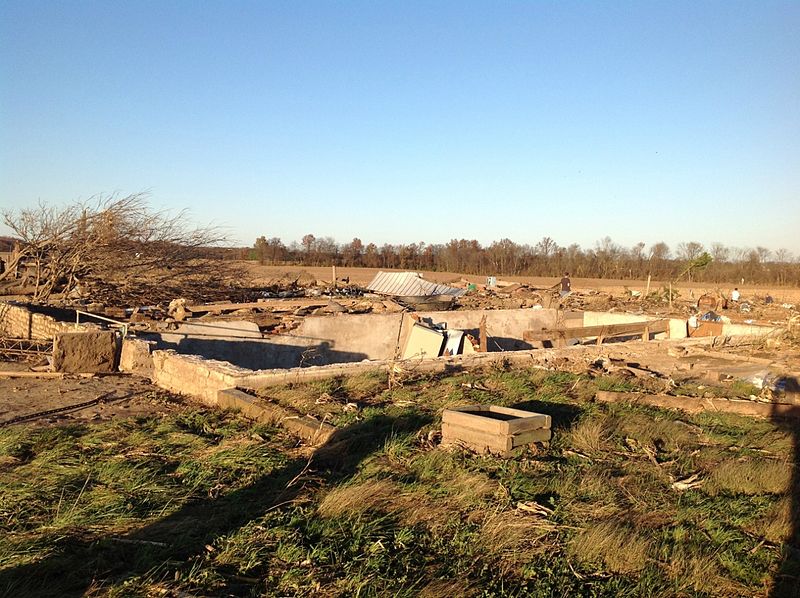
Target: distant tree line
column 607, row 259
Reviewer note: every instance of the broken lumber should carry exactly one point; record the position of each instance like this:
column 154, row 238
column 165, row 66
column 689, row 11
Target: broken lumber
column 699, row 405
column 274, row 305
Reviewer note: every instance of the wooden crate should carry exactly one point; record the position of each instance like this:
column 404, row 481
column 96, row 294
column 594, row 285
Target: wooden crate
column 493, row 429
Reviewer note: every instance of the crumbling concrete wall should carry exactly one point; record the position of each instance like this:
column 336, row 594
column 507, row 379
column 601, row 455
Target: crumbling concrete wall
column 201, row 378
column 17, row 321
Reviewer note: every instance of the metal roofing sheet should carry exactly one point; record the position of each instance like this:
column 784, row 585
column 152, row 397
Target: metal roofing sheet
column 409, row 284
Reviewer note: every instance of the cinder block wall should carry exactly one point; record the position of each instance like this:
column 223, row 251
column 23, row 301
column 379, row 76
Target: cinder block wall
column 17, row 321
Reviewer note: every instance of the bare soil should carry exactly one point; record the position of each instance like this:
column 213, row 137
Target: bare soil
column 123, row 395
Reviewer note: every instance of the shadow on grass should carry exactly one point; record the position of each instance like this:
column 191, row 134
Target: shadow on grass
column 78, row 564
column 787, row 580
column 563, row 415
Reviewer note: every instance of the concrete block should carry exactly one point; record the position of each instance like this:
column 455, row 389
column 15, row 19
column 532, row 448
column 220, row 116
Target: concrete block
column 136, row 356
column 95, row 352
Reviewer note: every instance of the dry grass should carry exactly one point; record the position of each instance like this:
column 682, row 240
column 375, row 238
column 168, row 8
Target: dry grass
column 664, row 433
column 588, row 494
column 365, row 385
column 511, row 540
column 355, row 499
column 777, row 524
column 384, row 496
column 750, row 477
column 693, row 572
column 447, row 589
column 471, row 489
column 621, row 550
column 588, row 436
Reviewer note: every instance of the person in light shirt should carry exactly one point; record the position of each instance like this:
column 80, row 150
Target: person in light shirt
column 735, row 294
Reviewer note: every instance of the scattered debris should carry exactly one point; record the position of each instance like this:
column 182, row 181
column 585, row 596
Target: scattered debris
column 687, row 483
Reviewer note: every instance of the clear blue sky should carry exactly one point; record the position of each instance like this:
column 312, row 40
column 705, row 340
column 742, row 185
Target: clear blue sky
column 410, row 121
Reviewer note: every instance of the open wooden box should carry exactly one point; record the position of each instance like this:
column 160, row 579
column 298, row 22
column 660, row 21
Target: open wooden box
column 493, row 429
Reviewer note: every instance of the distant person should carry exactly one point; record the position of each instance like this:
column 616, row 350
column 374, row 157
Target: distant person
column 735, row 294
column 566, row 285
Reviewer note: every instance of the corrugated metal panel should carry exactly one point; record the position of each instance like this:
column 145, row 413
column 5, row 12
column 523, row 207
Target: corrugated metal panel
column 409, row 284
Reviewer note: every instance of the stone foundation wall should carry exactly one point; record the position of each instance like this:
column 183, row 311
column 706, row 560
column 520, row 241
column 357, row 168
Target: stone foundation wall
column 17, row 321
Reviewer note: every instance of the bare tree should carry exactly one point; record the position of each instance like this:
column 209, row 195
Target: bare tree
column 689, row 251
column 111, row 243
column 546, row 247
column 719, row 252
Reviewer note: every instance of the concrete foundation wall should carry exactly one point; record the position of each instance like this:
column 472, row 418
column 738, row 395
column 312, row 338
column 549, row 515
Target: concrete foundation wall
column 321, row 340
column 746, row 330
column 338, row 339
column 17, row 321
column 86, row 351
column 600, row 318
column 195, row 376
column 340, row 345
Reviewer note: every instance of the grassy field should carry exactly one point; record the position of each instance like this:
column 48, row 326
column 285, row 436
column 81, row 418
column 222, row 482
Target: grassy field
column 205, row 503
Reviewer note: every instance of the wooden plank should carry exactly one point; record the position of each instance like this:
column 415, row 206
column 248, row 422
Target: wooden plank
column 525, row 424
column 471, row 417
column 706, row 329
column 483, row 339
column 601, row 332
column 540, row 435
column 475, row 439
column 474, row 422
column 494, row 443
column 698, row 405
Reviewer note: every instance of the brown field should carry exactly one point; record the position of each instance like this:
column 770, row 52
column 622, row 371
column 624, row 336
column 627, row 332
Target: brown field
column 362, row 276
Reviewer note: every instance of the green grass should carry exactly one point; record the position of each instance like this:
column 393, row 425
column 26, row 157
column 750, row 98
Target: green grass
column 207, row 503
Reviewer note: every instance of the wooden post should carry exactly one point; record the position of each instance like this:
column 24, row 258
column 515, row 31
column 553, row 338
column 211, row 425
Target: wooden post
column 670, row 295
column 647, row 291
column 646, row 334
column 483, row 340
column 333, row 273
